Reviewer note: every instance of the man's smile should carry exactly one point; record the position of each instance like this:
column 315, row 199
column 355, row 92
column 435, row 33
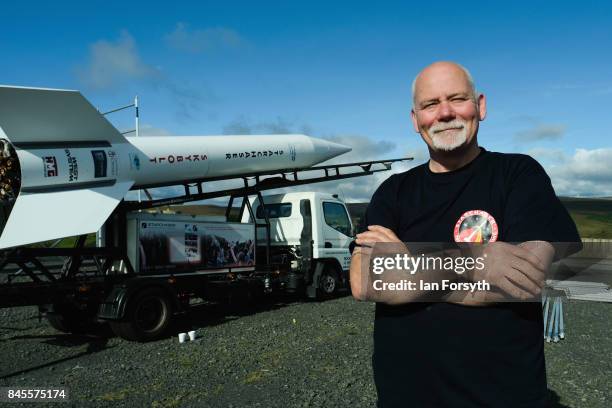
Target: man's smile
column 448, row 129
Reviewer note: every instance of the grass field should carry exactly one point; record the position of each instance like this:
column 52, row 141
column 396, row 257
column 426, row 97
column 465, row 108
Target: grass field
column 592, row 216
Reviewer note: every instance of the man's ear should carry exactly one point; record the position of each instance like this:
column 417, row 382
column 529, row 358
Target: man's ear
column 482, row 107
column 415, row 124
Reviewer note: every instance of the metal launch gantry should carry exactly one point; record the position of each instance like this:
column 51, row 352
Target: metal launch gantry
column 32, row 279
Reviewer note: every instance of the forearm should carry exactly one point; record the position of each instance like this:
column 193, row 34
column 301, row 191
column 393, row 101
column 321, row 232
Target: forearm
column 476, row 298
column 396, row 285
column 543, row 250
column 492, row 281
column 493, row 273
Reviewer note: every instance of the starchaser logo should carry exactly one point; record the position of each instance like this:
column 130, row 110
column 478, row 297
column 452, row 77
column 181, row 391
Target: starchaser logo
column 476, row 226
column 292, row 152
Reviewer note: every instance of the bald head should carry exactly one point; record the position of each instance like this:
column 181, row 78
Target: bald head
column 446, row 108
column 439, row 70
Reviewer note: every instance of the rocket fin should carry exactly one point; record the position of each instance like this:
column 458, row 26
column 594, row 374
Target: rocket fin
column 36, row 115
column 45, row 216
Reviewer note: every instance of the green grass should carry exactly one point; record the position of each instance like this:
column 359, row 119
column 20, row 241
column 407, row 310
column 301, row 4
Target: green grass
column 593, row 224
column 68, row 242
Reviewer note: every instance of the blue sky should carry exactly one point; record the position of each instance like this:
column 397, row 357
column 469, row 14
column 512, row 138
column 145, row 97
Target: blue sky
column 340, row 70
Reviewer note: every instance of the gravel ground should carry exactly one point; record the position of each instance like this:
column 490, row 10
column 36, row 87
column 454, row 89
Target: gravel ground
column 276, row 354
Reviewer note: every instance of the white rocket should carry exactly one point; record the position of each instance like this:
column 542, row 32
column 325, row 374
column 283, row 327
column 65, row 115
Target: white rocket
column 64, row 168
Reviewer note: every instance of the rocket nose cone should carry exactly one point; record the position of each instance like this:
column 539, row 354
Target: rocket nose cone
column 324, row 149
column 337, row 149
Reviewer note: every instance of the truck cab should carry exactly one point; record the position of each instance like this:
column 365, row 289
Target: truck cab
column 311, row 231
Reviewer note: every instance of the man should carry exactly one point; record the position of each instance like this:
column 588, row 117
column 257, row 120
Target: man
column 466, row 351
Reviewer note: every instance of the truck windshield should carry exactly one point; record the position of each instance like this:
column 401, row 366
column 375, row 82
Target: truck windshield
column 279, row 210
column 337, row 218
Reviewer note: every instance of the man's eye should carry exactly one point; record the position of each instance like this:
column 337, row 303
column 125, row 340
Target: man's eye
column 458, row 99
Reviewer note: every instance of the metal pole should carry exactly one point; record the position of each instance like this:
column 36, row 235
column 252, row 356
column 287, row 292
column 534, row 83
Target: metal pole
column 137, row 116
column 551, row 321
column 137, row 131
column 561, row 326
column 118, row 109
column 556, row 328
column 546, row 303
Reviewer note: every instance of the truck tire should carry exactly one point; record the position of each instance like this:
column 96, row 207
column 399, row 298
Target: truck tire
column 328, row 283
column 147, row 316
column 69, row 319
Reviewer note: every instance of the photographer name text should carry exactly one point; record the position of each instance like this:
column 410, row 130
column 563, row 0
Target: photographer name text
column 443, row 285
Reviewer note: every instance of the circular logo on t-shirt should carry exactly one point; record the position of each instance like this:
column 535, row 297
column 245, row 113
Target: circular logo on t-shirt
column 476, row 226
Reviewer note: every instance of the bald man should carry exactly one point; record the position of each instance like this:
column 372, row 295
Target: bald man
column 462, row 350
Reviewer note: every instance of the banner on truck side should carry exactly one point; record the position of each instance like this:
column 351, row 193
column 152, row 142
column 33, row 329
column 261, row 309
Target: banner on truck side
column 188, row 245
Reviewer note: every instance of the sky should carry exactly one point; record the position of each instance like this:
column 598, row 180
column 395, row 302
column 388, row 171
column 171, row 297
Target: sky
column 336, row 70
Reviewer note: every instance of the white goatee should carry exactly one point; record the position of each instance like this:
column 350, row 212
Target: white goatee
column 452, row 139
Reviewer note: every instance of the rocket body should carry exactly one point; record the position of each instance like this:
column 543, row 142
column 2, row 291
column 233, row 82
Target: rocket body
column 194, row 157
column 64, row 167
column 158, row 161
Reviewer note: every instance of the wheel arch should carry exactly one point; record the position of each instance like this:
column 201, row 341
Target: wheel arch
column 332, row 264
column 119, row 298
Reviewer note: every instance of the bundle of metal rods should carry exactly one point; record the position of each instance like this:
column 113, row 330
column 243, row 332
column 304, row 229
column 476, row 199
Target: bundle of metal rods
column 552, row 305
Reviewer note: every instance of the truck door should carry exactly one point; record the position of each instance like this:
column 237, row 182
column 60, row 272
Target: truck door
column 306, row 235
column 336, row 231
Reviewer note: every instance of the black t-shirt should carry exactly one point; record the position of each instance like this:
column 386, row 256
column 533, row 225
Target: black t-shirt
column 442, row 354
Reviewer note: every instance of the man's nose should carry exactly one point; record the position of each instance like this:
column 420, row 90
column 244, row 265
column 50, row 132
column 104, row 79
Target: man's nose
column 446, row 111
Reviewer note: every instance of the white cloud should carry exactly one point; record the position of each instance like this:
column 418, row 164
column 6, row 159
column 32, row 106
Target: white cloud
column 114, row 63
column 541, row 132
column 201, row 40
column 591, row 88
column 243, row 126
column 548, row 156
column 364, row 148
column 111, row 63
column 149, row 130
column 360, row 189
column 585, row 173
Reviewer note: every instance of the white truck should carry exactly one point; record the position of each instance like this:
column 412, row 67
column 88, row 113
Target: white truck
column 294, row 242
column 147, row 267
column 305, row 236
column 312, row 232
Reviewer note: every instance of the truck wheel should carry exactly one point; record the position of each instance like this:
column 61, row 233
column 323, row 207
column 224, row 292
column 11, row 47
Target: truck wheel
column 147, row 316
column 328, row 283
column 70, row 319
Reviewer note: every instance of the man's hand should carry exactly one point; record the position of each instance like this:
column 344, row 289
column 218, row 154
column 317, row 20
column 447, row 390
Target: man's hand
column 359, row 276
column 515, row 270
column 376, row 234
